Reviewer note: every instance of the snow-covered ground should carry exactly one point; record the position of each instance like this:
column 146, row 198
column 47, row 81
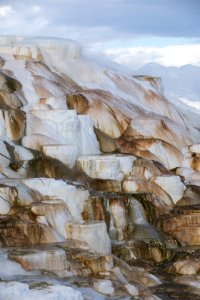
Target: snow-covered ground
column 181, row 84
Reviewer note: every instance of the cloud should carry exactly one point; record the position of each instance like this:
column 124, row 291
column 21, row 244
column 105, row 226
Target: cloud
column 135, row 57
column 36, row 8
column 101, row 24
column 120, row 17
column 5, row 10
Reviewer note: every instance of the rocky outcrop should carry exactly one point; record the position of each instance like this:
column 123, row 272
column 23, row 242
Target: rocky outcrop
column 52, row 260
column 92, row 233
column 183, row 223
column 99, row 177
column 22, row 291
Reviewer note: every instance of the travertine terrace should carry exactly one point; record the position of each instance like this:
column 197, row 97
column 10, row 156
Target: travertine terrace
column 99, row 179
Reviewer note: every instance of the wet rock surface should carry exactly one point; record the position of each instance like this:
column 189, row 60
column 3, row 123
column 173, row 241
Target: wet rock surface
column 99, row 180
column 183, row 223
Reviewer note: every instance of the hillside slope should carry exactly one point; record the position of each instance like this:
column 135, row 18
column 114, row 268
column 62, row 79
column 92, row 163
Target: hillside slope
column 94, row 162
column 181, row 83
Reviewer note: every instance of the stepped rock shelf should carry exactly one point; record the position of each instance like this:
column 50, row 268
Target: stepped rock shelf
column 99, row 180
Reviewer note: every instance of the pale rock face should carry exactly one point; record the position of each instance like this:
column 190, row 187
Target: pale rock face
column 133, row 184
column 25, row 195
column 103, row 168
column 42, row 220
column 151, row 280
column 58, row 103
column 131, row 289
column 36, row 141
column 110, row 167
column 41, row 233
column 4, row 162
column 118, row 213
column 64, row 127
column 141, row 228
column 49, row 260
column 7, row 195
column 51, row 97
column 73, row 197
column 59, row 48
column 109, row 119
column 93, row 233
column 195, row 148
column 18, row 68
column 65, row 153
column 195, row 182
column 12, row 123
column 54, row 213
column 98, row 167
column 152, row 81
column 191, row 176
column 16, row 290
column 22, row 154
column 9, row 268
column 47, row 186
column 130, row 185
column 138, row 215
column 4, row 205
column 118, row 274
column 124, row 215
column 126, row 163
column 58, row 124
column 185, row 172
column 26, row 231
column 89, row 144
column 187, row 162
column 27, row 52
column 157, row 128
column 187, row 267
column 104, row 287
column 146, row 168
column 172, row 185
column 81, row 196
column 171, row 158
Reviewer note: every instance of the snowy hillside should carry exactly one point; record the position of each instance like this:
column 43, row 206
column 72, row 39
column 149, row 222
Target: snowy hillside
column 180, row 83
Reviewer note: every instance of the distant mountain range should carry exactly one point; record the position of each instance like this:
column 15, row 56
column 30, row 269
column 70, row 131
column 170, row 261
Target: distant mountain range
column 180, row 83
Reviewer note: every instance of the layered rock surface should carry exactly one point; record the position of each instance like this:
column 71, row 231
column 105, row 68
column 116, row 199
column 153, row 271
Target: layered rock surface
column 99, row 175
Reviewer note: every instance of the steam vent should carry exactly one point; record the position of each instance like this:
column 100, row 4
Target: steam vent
column 99, row 180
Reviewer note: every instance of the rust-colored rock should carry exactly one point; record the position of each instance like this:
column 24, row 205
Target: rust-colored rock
column 184, row 224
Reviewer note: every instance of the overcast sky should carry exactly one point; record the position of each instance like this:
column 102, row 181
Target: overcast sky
column 132, row 32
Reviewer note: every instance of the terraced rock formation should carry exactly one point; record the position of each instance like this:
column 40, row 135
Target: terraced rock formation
column 99, row 180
